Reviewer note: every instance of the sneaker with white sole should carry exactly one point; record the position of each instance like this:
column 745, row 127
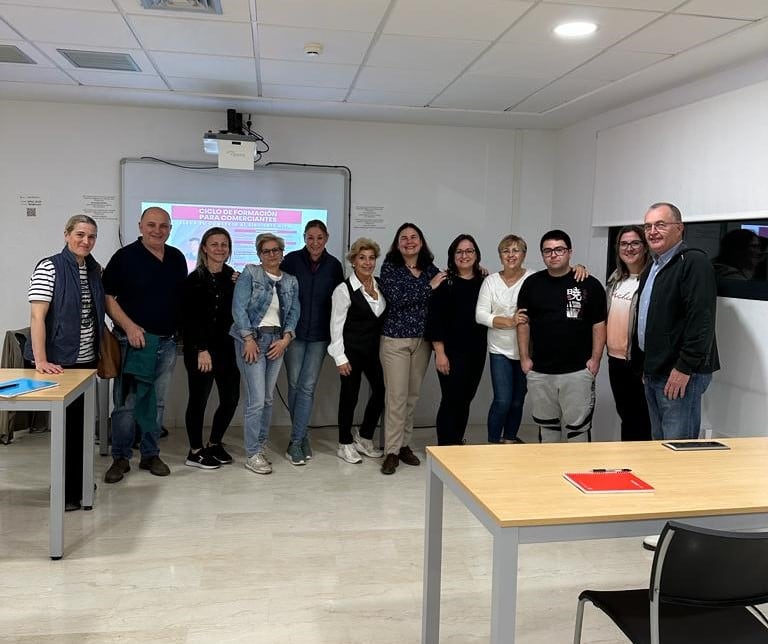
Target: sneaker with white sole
column 306, row 447
column 294, row 454
column 202, row 459
column 258, row 463
column 365, row 446
column 348, row 453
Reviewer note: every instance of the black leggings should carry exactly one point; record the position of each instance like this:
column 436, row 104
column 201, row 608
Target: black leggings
column 458, row 390
column 367, row 364
column 227, row 377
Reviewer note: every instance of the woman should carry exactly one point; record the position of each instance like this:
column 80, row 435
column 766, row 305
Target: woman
column 408, row 278
column 621, row 291
column 356, row 320
column 459, row 342
column 265, row 309
column 739, row 256
column 209, row 350
column 318, row 274
column 66, row 298
column 497, row 310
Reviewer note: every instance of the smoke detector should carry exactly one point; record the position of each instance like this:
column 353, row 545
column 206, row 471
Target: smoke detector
column 313, row 49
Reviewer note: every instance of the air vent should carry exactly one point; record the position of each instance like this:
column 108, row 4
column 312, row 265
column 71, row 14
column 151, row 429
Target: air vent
column 100, row 60
column 12, row 54
column 198, row 6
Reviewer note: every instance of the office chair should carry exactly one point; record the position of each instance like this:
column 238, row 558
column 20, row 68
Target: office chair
column 703, row 590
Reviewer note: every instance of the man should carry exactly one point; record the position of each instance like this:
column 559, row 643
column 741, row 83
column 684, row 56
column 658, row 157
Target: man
column 142, row 282
column 675, row 340
column 562, row 343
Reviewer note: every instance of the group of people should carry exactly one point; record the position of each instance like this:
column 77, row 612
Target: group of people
column 545, row 333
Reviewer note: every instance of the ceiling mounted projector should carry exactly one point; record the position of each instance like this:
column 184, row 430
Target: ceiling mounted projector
column 213, row 141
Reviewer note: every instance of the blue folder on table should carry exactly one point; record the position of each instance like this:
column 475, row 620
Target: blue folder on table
column 20, row 386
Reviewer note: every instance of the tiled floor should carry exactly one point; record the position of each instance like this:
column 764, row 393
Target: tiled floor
column 326, row 553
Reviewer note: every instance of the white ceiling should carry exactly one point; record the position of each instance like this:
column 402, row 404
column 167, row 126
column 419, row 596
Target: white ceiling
column 463, row 62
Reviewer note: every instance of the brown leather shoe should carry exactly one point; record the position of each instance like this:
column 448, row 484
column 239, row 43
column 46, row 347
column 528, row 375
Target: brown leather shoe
column 155, row 466
column 115, row 472
column 408, row 457
column 390, row 464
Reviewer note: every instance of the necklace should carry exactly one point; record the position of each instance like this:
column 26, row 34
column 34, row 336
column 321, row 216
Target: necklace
column 512, row 279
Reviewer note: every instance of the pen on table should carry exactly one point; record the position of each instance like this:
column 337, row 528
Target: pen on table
column 618, row 469
column 9, row 385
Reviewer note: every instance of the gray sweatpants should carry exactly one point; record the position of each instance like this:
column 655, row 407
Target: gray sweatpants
column 562, row 405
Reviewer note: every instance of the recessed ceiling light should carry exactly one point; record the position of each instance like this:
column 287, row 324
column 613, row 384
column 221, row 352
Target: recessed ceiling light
column 575, row 29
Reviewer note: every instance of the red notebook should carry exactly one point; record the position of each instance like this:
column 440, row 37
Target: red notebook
column 606, row 482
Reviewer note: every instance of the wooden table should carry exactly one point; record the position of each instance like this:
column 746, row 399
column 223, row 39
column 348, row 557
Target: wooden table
column 72, row 383
column 519, row 494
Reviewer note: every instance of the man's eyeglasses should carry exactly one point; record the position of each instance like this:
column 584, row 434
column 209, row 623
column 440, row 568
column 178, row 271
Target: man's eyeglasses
column 271, row 251
column 660, row 226
column 634, row 245
column 465, row 251
column 558, row 251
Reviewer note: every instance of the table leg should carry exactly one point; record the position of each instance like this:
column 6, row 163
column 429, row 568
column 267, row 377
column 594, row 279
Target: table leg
column 504, row 585
column 58, row 430
column 433, row 550
column 89, row 420
column 103, row 393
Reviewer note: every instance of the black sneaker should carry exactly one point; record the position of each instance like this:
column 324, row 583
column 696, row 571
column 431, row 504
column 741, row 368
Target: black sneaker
column 219, row 453
column 203, row 460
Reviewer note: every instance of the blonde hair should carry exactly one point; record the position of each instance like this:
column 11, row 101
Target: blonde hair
column 78, row 219
column 263, row 238
column 361, row 244
column 508, row 240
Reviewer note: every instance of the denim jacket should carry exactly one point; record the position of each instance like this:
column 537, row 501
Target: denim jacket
column 253, row 295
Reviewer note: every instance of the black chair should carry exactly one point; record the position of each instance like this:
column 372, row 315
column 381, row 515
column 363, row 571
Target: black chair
column 703, row 590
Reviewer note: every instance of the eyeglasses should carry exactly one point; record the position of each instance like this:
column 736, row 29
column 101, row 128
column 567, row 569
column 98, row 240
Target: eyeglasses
column 660, row 226
column 465, row 251
column 558, row 251
column 634, row 244
column 271, row 251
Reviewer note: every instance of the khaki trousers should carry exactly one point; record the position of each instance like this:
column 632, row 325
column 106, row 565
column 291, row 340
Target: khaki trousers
column 404, row 361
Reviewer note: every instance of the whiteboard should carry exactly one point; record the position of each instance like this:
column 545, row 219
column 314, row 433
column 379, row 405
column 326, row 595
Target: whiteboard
column 298, row 188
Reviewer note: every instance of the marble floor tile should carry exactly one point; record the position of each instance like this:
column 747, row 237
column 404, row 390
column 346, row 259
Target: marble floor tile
column 328, row 553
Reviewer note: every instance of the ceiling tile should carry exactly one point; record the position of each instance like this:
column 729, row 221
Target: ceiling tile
column 84, row 5
column 557, row 93
column 194, row 36
column 81, row 27
column 476, row 20
column 354, row 15
column 287, row 43
column 440, row 54
column 232, row 10
column 195, row 66
column 496, row 93
column 650, row 5
column 139, row 57
column 33, row 74
column 118, row 79
column 306, row 93
column 6, row 33
column 612, row 24
column 674, row 33
column 532, row 60
column 374, row 97
column 746, row 9
column 615, row 64
column 307, row 74
column 388, row 79
column 214, row 86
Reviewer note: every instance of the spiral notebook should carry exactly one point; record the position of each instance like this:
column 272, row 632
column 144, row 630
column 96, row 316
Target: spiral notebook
column 20, row 386
column 607, row 482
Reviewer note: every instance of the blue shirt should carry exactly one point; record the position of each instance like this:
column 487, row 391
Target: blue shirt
column 407, row 300
column 659, row 262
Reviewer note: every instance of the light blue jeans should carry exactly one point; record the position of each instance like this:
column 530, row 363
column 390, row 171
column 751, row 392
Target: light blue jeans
column 260, row 378
column 123, row 422
column 680, row 418
column 303, row 362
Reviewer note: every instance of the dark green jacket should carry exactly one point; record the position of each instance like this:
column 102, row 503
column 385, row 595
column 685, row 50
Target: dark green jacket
column 140, row 365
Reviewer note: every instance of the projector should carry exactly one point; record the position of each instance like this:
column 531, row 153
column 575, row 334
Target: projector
column 213, row 142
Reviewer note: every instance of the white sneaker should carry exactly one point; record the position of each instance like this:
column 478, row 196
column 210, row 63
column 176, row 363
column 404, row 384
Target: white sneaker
column 258, row 463
column 366, row 446
column 348, row 453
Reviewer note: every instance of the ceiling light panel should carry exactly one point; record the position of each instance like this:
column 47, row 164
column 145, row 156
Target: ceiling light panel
column 104, row 60
column 458, row 19
column 352, row 15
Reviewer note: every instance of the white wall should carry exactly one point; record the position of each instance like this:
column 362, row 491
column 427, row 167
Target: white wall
column 449, row 180
column 736, row 404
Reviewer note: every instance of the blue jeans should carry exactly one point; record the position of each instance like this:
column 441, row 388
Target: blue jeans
column 260, row 379
column 303, row 361
column 123, row 421
column 680, row 418
column 509, row 389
